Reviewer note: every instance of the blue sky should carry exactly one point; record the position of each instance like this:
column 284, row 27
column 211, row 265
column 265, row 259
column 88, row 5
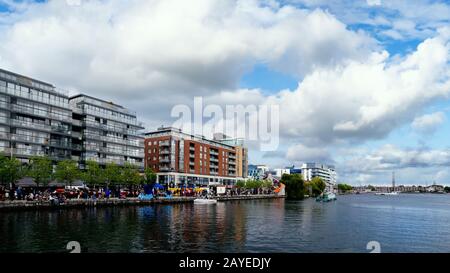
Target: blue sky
column 342, row 98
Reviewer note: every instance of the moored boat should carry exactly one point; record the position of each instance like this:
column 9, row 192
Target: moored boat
column 326, row 197
column 205, row 201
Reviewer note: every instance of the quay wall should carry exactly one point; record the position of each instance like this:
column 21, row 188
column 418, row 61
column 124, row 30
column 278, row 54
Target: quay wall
column 83, row 203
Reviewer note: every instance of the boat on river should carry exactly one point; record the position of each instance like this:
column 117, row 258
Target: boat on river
column 205, row 201
column 387, row 193
column 326, row 197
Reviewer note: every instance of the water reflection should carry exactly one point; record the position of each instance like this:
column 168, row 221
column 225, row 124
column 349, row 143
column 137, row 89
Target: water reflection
column 405, row 224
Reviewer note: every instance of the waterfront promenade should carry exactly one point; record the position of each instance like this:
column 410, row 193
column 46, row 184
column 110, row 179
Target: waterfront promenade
column 83, row 203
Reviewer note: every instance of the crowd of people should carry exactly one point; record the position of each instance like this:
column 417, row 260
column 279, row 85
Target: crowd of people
column 61, row 194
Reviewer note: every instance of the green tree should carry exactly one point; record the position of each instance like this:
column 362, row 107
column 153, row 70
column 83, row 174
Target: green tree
column 240, row 184
column 11, row 170
column 344, row 187
column 267, row 184
column 111, row 174
column 41, row 170
column 318, row 185
column 94, row 174
column 447, row 189
column 295, row 188
column 129, row 175
column 150, row 176
column 67, row 172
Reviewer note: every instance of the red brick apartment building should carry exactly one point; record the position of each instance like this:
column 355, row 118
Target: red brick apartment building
column 184, row 159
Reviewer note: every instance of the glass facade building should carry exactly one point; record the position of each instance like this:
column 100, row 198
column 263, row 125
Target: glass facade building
column 108, row 133
column 36, row 119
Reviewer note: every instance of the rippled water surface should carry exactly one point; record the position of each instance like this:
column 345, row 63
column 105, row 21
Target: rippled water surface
column 404, row 223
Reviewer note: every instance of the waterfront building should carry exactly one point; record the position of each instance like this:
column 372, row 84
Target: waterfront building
column 241, row 153
column 108, row 133
column 257, row 171
column 326, row 172
column 182, row 159
column 36, row 119
column 279, row 172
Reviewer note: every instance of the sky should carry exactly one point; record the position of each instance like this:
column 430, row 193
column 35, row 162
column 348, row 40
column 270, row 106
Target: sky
column 363, row 85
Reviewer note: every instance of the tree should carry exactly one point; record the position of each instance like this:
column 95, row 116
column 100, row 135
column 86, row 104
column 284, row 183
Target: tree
column 94, row 174
column 67, row 171
column 344, row 187
column 267, row 184
column 294, row 186
column 129, row 175
column 150, row 176
column 11, row 170
column 447, row 189
column 111, row 174
column 240, row 184
column 41, row 170
column 318, row 185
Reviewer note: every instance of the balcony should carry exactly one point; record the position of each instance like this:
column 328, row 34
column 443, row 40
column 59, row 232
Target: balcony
column 212, row 152
column 75, row 158
column 164, row 152
column 31, row 139
column 212, row 159
column 192, row 149
column 61, row 144
column 77, row 147
column 31, row 125
column 77, row 135
column 191, row 163
column 76, row 122
column 232, row 156
column 164, row 169
column 61, row 129
column 191, row 155
column 164, row 159
column 164, row 143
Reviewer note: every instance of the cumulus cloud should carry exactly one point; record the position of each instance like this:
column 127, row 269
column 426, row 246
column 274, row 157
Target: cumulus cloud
column 413, row 165
column 366, row 100
column 300, row 154
column 176, row 46
column 428, row 123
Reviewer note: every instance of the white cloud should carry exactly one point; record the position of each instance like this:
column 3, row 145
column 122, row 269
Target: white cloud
column 178, row 46
column 428, row 123
column 412, row 165
column 373, row 2
column 300, row 154
column 366, row 100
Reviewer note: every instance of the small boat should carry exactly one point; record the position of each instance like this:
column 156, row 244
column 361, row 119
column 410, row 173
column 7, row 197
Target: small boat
column 205, row 201
column 387, row 193
column 326, row 197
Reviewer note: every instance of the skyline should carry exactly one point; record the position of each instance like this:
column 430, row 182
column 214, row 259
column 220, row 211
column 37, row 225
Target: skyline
column 363, row 85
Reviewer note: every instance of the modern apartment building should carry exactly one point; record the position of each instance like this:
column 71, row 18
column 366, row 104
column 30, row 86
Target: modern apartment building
column 326, row 172
column 108, row 132
column 257, row 171
column 183, row 159
column 241, row 153
column 36, row 120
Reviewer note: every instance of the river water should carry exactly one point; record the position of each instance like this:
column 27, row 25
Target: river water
column 404, row 223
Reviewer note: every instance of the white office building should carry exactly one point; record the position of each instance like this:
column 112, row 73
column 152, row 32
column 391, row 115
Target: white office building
column 326, row 172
